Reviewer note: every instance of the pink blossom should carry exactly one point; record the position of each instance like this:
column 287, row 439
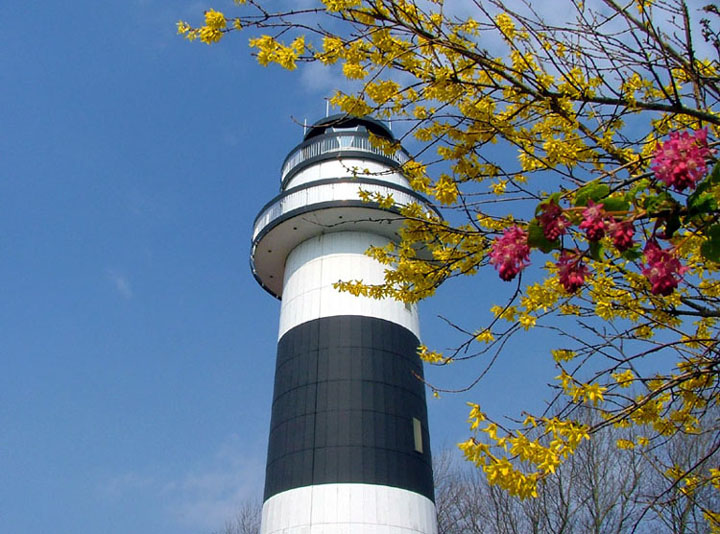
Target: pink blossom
column 663, row 270
column 594, row 221
column 510, row 253
column 552, row 221
column 680, row 161
column 571, row 271
column 622, row 233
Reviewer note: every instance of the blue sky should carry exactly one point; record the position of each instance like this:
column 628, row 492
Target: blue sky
column 136, row 348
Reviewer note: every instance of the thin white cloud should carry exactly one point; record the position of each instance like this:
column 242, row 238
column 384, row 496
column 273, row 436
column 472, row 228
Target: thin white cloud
column 121, row 283
column 318, row 78
column 204, row 497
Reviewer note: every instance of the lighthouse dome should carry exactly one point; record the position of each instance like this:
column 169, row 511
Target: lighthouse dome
column 343, row 122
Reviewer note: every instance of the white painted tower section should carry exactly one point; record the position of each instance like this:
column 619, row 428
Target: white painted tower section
column 316, row 264
column 348, row 509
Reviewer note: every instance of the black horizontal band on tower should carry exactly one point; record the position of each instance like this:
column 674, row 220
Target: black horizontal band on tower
column 346, row 394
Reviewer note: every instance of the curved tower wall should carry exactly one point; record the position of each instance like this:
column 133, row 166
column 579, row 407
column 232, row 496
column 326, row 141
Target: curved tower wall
column 324, row 170
column 349, row 447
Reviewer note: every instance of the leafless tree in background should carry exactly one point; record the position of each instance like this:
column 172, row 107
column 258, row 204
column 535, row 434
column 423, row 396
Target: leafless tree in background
column 599, row 490
column 246, row 521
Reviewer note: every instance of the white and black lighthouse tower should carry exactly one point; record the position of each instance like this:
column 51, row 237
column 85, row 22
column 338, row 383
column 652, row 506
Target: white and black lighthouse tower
column 349, row 450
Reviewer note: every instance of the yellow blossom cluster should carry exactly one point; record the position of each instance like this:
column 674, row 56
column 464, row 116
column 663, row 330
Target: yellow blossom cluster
column 211, row 32
column 270, row 50
column 541, row 455
column 504, row 135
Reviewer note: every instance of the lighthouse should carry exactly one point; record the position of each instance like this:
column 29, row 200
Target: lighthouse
column 349, row 448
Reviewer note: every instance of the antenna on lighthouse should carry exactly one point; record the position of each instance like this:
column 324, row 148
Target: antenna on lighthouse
column 304, row 126
column 327, row 108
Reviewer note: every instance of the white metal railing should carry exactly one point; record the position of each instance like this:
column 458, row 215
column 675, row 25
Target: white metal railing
column 325, row 193
column 337, row 143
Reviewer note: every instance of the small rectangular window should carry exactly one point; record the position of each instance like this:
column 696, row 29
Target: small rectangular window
column 417, row 434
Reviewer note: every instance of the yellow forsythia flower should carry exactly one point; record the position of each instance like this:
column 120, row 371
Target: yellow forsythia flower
column 593, row 392
column 643, row 4
column 429, row 356
column 340, row 5
column 506, row 25
column 563, row 355
column 445, row 190
column 715, row 478
column 499, row 187
column 485, row 336
column 624, row 379
column 210, row 35
column 527, row 321
column 354, row 71
column 215, row 20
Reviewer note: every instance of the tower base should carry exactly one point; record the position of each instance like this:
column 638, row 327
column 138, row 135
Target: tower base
column 348, row 509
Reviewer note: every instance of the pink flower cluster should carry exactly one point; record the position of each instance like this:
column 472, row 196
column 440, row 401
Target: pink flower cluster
column 593, row 222
column 596, row 222
column 622, row 233
column 510, row 253
column 552, row 221
column 663, row 269
column 680, row 161
column 571, row 271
